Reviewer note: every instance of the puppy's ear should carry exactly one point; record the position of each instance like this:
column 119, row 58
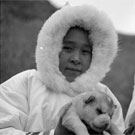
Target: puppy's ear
column 64, row 109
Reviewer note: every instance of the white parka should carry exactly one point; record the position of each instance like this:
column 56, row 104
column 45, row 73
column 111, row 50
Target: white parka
column 31, row 100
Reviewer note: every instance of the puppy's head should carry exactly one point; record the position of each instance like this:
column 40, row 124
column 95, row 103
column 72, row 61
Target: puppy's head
column 95, row 109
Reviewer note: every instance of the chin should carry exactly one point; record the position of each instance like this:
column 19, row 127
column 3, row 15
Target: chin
column 70, row 79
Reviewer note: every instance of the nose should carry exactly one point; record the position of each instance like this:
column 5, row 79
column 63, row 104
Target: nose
column 75, row 58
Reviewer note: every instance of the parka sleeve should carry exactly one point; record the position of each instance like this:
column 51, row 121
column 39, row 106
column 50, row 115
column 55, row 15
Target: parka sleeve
column 14, row 105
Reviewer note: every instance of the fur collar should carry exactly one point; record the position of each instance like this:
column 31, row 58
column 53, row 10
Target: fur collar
column 49, row 45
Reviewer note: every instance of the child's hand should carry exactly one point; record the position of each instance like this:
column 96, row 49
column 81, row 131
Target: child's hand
column 61, row 130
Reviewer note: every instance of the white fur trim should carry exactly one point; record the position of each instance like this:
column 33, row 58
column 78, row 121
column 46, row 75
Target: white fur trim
column 49, row 45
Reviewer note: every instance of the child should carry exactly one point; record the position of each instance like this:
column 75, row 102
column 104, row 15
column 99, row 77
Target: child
column 75, row 49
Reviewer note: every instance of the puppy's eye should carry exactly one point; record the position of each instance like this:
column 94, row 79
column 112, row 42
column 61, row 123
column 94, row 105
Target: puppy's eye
column 90, row 100
column 99, row 111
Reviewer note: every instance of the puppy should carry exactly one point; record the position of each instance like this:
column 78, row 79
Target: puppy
column 88, row 113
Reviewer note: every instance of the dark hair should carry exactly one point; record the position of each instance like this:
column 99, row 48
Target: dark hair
column 81, row 28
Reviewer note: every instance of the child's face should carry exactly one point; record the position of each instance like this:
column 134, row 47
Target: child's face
column 75, row 56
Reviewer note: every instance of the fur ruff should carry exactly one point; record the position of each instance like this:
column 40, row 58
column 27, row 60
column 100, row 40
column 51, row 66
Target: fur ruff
column 49, row 45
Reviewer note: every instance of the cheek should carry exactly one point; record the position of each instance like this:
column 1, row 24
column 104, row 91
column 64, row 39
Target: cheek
column 86, row 62
column 62, row 57
column 62, row 60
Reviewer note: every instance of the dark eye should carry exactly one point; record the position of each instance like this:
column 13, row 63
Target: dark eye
column 90, row 100
column 86, row 52
column 67, row 48
column 99, row 111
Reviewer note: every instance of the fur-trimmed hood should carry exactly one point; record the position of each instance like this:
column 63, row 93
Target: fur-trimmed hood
column 49, row 44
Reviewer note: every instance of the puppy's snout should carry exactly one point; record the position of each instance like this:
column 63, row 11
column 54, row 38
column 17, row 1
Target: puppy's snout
column 102, row 121
column 105, row 124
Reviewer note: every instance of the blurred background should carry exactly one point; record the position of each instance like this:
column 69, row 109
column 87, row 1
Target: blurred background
column 20, row 22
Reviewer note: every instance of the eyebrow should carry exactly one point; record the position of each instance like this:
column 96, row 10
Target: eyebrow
column 67, row 41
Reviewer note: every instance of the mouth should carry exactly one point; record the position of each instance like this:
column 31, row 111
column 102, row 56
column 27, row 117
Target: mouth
column 72, row 73
column 73, row 70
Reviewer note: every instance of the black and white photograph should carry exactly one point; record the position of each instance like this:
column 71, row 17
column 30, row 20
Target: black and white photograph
column 67, row 67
